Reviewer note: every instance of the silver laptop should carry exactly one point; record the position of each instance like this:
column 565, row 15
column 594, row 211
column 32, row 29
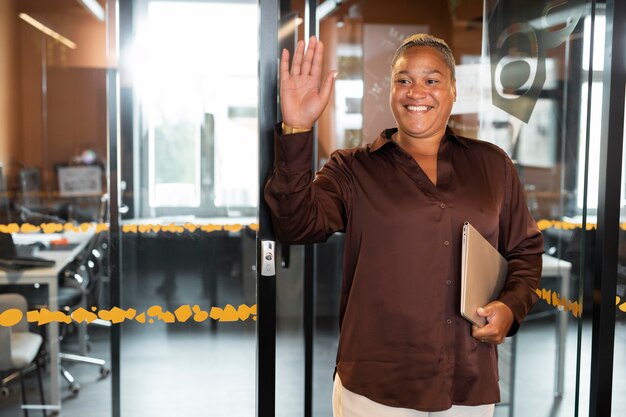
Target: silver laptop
column 483, row 274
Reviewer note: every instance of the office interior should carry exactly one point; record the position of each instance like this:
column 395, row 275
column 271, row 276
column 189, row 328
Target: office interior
column 147, row 120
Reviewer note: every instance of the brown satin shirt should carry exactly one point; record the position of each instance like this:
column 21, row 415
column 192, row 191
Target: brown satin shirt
column 403, row 342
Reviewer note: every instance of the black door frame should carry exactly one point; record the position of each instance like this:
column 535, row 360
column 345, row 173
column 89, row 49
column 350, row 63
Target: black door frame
column 609, row 195
column 266, row 279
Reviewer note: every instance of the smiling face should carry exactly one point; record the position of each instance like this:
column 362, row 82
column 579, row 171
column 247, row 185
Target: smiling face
column 422, row 94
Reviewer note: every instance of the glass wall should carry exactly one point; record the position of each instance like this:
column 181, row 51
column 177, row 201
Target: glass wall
column 619, row 355
column 54, row 58
column 534, row 104
column 619, row 364
column 189, row 89
column 529, row 79
column 523, row 73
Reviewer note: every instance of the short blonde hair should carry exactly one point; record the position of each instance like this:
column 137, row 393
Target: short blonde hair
column 423, row 39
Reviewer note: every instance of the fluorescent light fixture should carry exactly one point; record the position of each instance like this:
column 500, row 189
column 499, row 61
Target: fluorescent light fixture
column 94, row 8
column 45, row 29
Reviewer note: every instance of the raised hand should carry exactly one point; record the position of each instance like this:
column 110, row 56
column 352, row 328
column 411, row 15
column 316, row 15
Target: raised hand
column 303, row 96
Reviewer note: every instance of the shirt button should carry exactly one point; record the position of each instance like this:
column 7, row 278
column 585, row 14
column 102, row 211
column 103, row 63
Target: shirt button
column 446, row 243
column 442, row 205
column 448, row 282
column 449, row 321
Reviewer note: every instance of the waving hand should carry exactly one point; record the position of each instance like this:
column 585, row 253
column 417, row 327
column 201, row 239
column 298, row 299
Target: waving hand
column 303, row 96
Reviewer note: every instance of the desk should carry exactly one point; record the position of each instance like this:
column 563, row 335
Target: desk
column 49, row 277
column 206, row 249
column 554, row 267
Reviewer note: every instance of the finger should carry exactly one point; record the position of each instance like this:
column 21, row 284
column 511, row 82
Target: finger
column 486, row 339
column 297, row 58
column 327, row 86
column 308, row 57
column 482, row 311
column 284, row 64
column 318, row 60
column 478, row 333
column 486, row 332
column 483, row 338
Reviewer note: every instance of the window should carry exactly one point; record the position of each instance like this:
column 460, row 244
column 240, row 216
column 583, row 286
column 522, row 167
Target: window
column 196, row 79
column 595, row 114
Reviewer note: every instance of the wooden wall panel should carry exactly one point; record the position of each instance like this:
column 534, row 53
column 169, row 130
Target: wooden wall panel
column 9, row 96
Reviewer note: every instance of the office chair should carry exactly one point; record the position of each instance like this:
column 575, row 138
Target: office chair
column 19, row 348
column 78, row 287
column 85, row 275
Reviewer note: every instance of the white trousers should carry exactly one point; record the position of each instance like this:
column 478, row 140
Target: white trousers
column 349, row 404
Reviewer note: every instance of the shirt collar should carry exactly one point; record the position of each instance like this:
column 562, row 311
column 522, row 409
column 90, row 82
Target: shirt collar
column 385, row 138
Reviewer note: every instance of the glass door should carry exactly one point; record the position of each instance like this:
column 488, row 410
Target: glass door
column 526, row 82
column 189, row 135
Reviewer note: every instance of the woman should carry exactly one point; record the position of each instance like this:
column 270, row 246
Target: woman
column 404, row 348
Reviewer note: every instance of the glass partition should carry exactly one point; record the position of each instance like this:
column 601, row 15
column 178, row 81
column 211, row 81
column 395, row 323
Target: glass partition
column 190, row 134
column 529, row 79
column 53, row 202
column 523, row 73
column 534, row 103
column 618, row 405
column 619, row 364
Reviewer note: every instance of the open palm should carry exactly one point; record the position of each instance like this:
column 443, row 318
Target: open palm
column 302, row 95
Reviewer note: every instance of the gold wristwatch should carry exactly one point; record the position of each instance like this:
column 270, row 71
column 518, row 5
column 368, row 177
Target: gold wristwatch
column 288, row 130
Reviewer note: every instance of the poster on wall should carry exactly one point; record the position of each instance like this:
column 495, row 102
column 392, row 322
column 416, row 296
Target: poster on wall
column 80, row 180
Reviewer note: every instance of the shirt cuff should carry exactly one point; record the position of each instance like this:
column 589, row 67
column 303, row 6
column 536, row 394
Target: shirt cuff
column 293, row 152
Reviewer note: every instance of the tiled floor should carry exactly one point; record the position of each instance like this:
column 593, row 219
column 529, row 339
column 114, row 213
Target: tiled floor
column 187, row 370
column 195, row 372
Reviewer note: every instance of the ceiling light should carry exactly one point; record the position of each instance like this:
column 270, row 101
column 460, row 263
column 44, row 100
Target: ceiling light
column 45, row 29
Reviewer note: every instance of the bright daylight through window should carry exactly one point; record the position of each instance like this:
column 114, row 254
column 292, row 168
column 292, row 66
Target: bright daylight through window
column 199, row 103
